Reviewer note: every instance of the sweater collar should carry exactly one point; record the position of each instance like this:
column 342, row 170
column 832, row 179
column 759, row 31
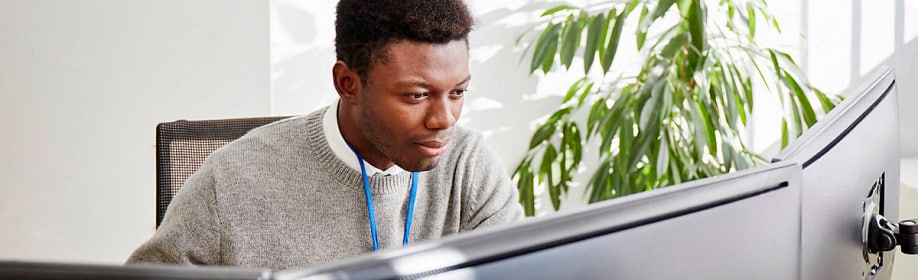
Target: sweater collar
column 337, row 168
column 341, row 150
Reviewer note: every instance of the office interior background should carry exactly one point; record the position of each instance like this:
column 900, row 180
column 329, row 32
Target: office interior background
column 84, row 83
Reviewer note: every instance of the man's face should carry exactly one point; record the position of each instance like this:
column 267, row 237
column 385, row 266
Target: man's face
column 412, row 99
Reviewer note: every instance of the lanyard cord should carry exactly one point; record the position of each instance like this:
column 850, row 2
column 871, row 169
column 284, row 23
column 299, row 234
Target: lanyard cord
column 371, row 212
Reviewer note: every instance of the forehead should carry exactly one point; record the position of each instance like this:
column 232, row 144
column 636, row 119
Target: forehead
column 416, row 60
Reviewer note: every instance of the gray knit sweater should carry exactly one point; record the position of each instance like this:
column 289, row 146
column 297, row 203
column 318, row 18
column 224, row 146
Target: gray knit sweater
column 279, row 198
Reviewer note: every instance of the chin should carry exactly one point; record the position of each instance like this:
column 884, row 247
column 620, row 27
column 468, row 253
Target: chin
column 419, row 166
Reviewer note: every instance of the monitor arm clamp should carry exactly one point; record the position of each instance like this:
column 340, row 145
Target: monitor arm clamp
column 879, row 235
column 883, row 235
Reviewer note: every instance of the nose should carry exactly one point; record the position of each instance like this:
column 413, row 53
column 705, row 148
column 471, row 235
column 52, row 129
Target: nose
column 442, row 113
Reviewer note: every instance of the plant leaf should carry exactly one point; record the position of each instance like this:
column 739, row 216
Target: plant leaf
column 774, row 62
column 667, row 108
column 557, row 9
column 631, row 6
column 571, row 41
column 575, row 143
column 737, row 92
column 675, row 175
column 729, row 156
column 661, row 8
column 785, row 135
column 626, row 143
column 662, row 157
column 709, row 129
column 649, row 126
column 604, row 31
column 560, row 114
column 546, row 169
column 597, row 113
column 698, row 126
column 809, row 116
column 695, row 22
column 596, row 31
column 675, row 44
column 548, row 157
column 796, row 122
column 542, row 134
column 612, row 47
column 548, row 128
column 599, row 182
column 574, row 88
column 641, row 33
column 650, row 108
column 824, row 101
column 751, row 11
column 586, row 92
column 642, row 144
column 696, row 25
column 545, row 48
column 527, row 194
column 612, row 121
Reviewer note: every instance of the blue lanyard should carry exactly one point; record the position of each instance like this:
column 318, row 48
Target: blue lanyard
column 366, row 190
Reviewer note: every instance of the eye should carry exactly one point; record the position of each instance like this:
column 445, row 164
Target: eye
column 416, row 96
column 459, row 93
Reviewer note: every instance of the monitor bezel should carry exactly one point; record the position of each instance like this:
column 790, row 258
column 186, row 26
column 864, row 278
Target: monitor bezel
column 493, row 244
column 27, row 270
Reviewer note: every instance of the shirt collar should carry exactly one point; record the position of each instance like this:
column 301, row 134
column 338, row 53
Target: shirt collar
column 342, row 151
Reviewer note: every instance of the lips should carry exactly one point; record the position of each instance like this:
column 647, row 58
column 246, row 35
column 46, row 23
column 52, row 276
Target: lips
column 432, row 148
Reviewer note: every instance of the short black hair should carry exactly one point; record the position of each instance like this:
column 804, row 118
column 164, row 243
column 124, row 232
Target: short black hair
column 364, row 28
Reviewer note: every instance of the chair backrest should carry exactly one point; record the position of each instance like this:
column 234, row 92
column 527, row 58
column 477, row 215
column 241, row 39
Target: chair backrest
column 182, row 146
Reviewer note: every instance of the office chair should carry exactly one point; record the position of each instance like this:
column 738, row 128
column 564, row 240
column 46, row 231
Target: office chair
column 182, row 146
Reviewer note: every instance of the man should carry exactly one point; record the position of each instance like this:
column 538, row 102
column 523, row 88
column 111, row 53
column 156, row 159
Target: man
column 383, row 168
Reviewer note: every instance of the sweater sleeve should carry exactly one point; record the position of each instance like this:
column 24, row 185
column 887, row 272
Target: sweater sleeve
column 493, row 197
column 189, row 233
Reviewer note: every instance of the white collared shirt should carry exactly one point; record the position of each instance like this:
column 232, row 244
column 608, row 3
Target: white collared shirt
column 341, row 149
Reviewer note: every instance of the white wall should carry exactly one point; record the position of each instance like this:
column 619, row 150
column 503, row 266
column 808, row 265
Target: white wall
column 847, row 40
column 82, row 86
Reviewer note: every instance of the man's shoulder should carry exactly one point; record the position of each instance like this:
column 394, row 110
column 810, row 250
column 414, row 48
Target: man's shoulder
column 292, row 125
column 284, row 135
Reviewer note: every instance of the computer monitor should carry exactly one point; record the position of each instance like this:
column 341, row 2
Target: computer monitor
column 743, row 225
column 48, row 270
column 850, row 162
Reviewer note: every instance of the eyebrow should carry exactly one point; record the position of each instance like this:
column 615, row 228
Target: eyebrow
column 467, row 79
column 426, row 85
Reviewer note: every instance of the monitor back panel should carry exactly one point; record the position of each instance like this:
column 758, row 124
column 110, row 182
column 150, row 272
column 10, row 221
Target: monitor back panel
column 850, row 166
column 753, row 238
column 743, row 225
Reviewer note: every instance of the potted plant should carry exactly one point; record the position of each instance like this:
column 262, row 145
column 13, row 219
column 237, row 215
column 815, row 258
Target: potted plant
column 680, row 117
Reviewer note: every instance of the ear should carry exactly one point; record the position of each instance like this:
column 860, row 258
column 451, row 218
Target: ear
column 347, row 82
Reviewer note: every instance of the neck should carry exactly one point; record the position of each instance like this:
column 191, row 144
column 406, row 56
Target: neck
column 348, row 127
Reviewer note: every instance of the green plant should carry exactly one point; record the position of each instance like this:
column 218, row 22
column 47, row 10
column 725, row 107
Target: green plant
column 680, row 117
